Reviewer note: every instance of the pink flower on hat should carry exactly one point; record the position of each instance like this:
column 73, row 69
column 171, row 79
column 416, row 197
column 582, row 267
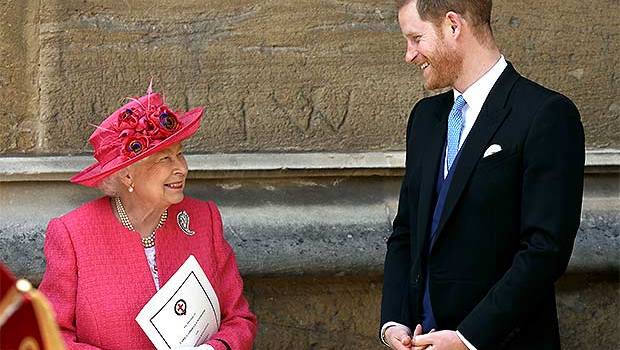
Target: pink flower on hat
column 140, row 127
column 127, row 120
column 134, row 145
column 167, row 120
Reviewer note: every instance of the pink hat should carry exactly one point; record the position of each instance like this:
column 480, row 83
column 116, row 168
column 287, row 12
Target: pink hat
column 135, row 131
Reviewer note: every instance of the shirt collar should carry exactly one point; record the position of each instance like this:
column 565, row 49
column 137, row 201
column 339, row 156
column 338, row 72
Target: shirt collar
column 477, row 93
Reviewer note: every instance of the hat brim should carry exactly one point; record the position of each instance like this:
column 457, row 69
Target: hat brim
column 93, row 174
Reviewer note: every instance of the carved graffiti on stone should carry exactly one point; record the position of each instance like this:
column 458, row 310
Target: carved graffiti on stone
column 315, row 107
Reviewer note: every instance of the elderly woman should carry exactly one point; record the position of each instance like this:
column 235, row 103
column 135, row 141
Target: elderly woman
column 106, row 259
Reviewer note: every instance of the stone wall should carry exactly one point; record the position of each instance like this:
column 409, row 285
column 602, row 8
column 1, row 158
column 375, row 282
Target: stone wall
column 342, row 312
column 275, row 75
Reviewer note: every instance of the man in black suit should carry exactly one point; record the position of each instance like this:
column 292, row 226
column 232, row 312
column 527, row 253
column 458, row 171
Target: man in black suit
column 491, row 198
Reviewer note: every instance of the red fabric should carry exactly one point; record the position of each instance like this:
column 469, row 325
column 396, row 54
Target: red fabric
column 97, row 276
column 23, row 323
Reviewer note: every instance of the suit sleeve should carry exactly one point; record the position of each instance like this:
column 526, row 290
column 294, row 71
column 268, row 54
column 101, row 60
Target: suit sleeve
column 395, row 297
column 238, row 327
column 551, row 197
column 59, row 282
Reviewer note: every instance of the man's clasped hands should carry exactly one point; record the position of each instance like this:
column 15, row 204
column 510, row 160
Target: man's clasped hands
column 400, row 338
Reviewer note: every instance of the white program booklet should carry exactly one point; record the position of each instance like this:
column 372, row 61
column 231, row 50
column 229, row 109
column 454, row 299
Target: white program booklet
column 184, row 312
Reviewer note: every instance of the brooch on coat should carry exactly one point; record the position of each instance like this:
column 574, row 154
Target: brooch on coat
column 183, row 222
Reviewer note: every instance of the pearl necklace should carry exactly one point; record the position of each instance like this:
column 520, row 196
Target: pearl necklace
column 148, row 241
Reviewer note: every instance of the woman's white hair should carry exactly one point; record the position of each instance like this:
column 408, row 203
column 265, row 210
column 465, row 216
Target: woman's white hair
column 112, row 185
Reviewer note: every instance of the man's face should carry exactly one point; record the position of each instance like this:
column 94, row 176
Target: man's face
column 427, row 49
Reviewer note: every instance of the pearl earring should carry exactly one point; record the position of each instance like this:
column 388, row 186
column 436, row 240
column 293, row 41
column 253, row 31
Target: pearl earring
column 130, row 189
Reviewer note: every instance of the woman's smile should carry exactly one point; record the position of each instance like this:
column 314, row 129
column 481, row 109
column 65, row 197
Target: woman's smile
column 175, row 185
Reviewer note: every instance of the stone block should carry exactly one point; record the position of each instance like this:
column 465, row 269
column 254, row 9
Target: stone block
column 18, row 67
column 316, row 313
column 296, row 75
column 311, row 227
column 344, row 313
column 572, row 47
column 274, row 76
column 589, row 311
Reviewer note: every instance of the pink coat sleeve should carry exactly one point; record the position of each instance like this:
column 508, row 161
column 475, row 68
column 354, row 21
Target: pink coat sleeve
column 238, row 328
column 59, row 282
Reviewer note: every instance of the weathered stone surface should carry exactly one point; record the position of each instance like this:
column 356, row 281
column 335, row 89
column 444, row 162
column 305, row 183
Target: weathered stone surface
column 324, row 312
column 316, row 313
column 343, row 313
column 597, row 246
column 571, row 46
column 279, row 227
column 275, row 75
column 18, row 66
column 589, row 311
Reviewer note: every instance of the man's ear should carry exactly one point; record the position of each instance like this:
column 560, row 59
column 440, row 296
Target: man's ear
column 453, row 24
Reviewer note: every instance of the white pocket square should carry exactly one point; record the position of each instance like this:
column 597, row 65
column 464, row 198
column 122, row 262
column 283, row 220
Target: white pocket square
column 494, row 148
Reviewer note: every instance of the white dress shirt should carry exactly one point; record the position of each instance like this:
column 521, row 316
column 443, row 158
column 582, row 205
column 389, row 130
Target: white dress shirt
column 474, row 96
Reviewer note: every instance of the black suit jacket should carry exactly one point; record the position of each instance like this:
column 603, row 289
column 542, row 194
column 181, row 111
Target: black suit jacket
column 509, row 221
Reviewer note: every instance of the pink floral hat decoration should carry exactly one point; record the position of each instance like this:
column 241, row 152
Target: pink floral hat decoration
column 135, row 131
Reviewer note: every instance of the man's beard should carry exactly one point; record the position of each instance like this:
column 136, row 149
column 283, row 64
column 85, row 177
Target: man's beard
column 445, row 65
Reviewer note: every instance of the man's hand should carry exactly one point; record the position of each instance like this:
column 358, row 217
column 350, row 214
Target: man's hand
column 399, row 337
column 418, row 331
column 442, row 340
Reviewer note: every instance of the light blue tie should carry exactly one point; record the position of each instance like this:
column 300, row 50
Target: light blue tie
column 455, row 127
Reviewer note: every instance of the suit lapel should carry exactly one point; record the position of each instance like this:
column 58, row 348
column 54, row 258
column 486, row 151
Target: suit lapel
column 493, row 113
column 435, row 136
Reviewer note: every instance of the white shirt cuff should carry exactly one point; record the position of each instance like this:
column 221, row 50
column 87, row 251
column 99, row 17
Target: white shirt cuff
column 467, row 344
column 386, row 326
